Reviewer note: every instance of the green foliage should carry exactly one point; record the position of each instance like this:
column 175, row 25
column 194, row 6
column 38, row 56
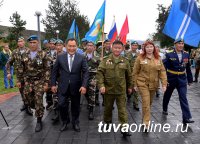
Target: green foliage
column 60, row 15
column 161, row 20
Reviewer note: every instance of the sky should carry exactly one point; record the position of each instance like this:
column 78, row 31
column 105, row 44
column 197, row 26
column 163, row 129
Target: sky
column 141, row 14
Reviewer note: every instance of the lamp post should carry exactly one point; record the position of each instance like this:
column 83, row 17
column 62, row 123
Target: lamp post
column 38, row 14
column 57, row 33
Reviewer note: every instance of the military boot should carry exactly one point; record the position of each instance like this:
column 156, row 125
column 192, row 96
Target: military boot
column 38, row 127
column 55, row 118
column 91, row 113
column 29, row 111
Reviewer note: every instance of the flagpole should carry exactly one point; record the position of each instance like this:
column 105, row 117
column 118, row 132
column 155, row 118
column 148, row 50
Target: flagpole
column 102, row 42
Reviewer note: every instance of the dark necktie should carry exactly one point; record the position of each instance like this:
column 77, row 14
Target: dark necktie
column 71, row 62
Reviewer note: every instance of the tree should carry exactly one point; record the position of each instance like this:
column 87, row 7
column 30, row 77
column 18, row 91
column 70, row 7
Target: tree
column 1, row 3
column 60, row 15
column 161, row 20
column 16, row 30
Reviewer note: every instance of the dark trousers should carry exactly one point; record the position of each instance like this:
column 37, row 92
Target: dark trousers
column 49, row 95
column 64, row 102
column 182, row 91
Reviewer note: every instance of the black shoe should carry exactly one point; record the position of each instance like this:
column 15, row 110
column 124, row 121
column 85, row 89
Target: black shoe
column 76, row 128
column 63, row 127
column 29, row 111
column 165, row 113
column 23, row 108
column 49, row 106
column 136, row 108
column 125, row 134
column 185, row 121
column 91, row 114
column 38, row 127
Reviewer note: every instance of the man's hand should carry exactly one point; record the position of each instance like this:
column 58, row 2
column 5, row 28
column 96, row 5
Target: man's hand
column 135, row 88
column 19, row 84
column 54, row 89
column 9, row 76
column 82, row 90
column 45, row 87
column 102, row 90
column 130, row 91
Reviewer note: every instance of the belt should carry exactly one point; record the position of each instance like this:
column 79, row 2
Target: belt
column 175, row 72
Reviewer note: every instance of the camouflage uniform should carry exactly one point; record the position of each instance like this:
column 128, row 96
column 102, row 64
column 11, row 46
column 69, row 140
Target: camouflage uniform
column 36, row 74
column 16, row 60
column 49, row 94
column 115, row 76
column 132, row 59
column 93, row 64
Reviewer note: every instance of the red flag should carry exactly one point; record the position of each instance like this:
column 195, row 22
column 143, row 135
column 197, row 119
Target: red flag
column 124, row 31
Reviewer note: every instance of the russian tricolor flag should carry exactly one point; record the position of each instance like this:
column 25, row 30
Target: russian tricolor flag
column 112, row 36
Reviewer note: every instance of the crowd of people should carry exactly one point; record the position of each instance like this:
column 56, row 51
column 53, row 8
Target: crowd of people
column 65, row 73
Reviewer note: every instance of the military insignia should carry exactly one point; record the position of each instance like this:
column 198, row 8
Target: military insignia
column 144, row 61
column 185, row 60
column 39, row 62
column 173, row 59
column 109, row 62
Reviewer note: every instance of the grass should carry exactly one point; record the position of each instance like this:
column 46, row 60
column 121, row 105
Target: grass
column 2, row 88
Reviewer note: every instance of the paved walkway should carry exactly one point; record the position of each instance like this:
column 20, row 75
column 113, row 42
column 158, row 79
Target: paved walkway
column 22, row 126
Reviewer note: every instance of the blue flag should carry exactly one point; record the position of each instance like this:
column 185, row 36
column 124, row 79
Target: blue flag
column 72, row 32
column 96, row 28
column 184, row 22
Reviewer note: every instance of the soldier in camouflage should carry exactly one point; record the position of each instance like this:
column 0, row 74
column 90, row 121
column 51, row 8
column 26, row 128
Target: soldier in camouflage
column 93, row 63
column 16, row 60
column 51, row 53
column 132, row 55
column 36, row 76
column 113, row 78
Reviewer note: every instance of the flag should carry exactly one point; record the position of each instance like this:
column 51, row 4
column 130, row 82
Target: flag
column 72, row 32
column 77, row 36
column 113, row 32
column 124, row 31
column 184, row 22
column 96, row 28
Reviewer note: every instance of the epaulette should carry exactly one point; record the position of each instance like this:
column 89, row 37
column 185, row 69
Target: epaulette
column 185, row 51
column 105, row 57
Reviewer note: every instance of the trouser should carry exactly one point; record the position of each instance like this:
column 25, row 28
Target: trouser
column 34, row 92
column 49, row 96
column 21, row 90
column 91, row 90
column 109, row 100
column 63, row 101
column 182, row 90
column 11, row 82
column 196, row 75
column 147, row 96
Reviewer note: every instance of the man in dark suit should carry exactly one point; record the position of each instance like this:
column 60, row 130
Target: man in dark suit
column 73, row 78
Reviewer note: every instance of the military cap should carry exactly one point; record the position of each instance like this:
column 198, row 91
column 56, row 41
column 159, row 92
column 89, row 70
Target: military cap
column 83, row 40
column 134, row 42
column 20, row 38
column 45, row 41
column 32, row 37
column 106, row 40
column 58, row 41
column 52, row 40
column 178, row 40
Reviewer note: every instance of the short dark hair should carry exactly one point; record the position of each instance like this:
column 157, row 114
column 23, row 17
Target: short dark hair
column 71, row 39
column 117, row 42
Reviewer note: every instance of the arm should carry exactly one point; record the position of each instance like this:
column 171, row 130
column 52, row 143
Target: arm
column 162, row 75
column 85, row 73
column 189, row 72
column 55, row 72
column 100, row 75
column 129, row 77
column 136, row 70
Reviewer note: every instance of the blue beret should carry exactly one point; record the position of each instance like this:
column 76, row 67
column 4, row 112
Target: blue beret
column 83, row 40
column 45, row 41
column 58, row 41
column 89, row 41
column 52, row 40
column 134, row 42
column 32, row 37
column 106, row 40
column 178, row 40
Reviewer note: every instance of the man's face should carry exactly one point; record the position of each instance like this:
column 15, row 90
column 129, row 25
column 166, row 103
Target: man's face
column 179, row 46
column 6, row 47
column 71, row 47
column 90, row 47
column 33, row 45
column 134, row 47
column 59, row 47
column 21, row 43
column 117, row 49
column 51, row 46
column 107, row 45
